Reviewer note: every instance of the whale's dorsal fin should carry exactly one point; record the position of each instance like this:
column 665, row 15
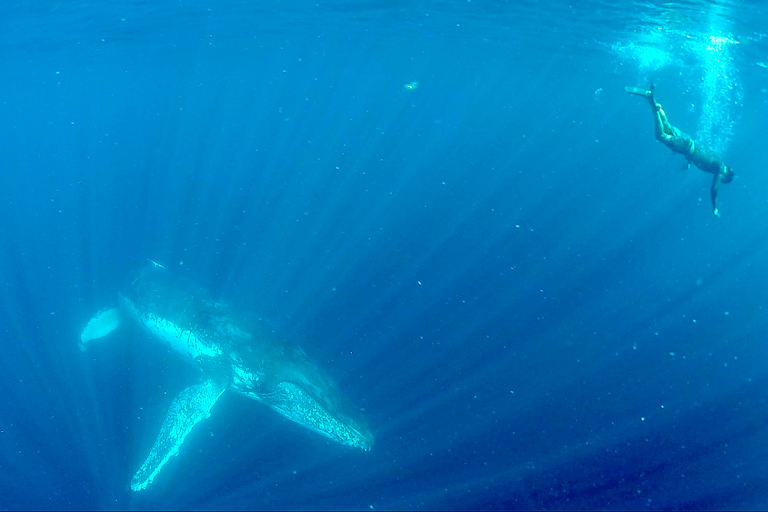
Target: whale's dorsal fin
column 105, row 321
column 193, row 405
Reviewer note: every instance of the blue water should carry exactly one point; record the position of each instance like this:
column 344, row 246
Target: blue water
column 527, row 295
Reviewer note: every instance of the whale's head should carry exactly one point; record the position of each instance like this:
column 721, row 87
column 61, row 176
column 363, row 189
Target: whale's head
column 296, row 388
column 282, row 376
column 324, row 415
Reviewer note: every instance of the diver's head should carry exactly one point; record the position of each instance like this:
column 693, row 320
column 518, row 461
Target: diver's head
column 728, row 175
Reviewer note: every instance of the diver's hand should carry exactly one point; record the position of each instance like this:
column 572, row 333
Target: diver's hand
column 716, row 212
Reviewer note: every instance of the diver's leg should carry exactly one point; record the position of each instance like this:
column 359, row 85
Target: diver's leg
column 662, row 127
column 658, row 123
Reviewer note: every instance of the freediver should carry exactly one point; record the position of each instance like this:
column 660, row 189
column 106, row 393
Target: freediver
column 697, row 154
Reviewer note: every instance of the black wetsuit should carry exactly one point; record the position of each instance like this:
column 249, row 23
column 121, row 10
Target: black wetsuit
column 707, row 160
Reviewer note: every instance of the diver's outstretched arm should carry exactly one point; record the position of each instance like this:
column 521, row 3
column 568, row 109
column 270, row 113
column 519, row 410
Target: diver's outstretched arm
column 713, row 193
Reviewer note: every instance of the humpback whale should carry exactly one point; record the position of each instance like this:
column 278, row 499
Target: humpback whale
column 233, row 353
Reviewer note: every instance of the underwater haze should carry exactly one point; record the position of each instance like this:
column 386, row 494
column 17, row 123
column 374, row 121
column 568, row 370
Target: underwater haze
column 453, row 208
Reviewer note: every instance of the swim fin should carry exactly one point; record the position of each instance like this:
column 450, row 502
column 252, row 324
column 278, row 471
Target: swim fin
column 640, row 92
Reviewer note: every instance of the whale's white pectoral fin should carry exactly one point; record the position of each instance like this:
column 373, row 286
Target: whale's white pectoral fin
column 187, row 410
column 105, row 321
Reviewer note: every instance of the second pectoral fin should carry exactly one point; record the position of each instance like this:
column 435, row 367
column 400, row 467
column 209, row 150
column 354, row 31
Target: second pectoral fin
column 103, row 323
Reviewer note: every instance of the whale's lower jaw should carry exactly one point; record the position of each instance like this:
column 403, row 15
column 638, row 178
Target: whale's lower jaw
column 294, row 403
